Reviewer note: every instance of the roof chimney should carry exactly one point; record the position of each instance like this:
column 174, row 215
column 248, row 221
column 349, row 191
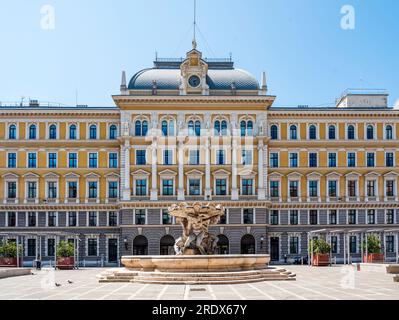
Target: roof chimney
column 264, row 84
column 123, row 84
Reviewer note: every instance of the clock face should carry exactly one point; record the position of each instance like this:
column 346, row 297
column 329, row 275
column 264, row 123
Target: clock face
column 194, row 81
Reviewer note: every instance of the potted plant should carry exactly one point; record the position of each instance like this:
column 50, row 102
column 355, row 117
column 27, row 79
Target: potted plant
column 374, row 252
column 8, row 254
column 65, row 255
column 320, row 253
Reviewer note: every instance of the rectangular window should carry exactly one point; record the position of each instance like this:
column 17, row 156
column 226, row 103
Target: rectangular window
column 92, row 189
column 194, row 187
column 221, row 187
column 194, row 158
column 390, row 244
column 140, row 216
column 113, row 160
column 333, row 217
column 294, row 189
column 220, row 157
column 313, row 217
column 332, row 160
column 141, row 187
column 92, row 247
column 370, row 159
column 247, row 187
column 112, row 219
column 167, row 157
column 352, row 192
column 72, row 219
column 371, row 188
column 32, row 190
column 353, row 244
column 52, row 219
column 293, row 160
column 12, row 160
column 32, row 160
column 274, row 160
column 31, row 247
column 52, row 160
column 334, row 244
column 93, row 163
column 11, row 219
column 166, row 217
column 113, row 189
column 50, row 247
column 11, row 190
column 313, row 160
column 32, row 219
column 351, row 159
column 92, row 219
column 141, row 158
column 52, row 190
column 167, row 187
column 246, row 158
column 370, row 216
column 223, row 218
column 389, row 159
column 313, row 188
column 294, row 245
column 72, row 189
column 248, row 216
column 274, row 189
column 390, row 216
column 352, row 217
column 274, row 217
column 332, row 188
column 390, row 188
column 73, row 160
column 294, row 217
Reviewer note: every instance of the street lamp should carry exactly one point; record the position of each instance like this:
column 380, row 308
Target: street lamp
column 262, row 239
column 126, row 243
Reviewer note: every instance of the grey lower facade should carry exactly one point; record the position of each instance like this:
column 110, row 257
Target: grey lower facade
column 283, row 233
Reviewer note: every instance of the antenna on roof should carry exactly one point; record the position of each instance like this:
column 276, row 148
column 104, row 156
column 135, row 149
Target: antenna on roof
column 195, row 25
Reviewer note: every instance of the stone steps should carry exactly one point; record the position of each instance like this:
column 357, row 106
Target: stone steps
column 393, row 269
column 396, row 278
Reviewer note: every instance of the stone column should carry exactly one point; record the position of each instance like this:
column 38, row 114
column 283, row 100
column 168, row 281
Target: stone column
column 125, row 170
column 154, row 171
column 180, row 159
column 261, row 182
column 208, row 189
column 234, row 189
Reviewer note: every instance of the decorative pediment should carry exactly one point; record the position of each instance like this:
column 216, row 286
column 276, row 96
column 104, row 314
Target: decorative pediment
column 167, row 172
column 391, row 174
column 333, row 174
column 221, row 172
column 92, row 175
column 315, row 175
column 276, row 175
column 10, row 175
column 51, row 175
column 140, row 173
column 112, row 175
column 194, row 173
column 372, row 174
column 72, row 175
column 247, row 173
column 294, row 175
column 30, row 175
column 353, row 174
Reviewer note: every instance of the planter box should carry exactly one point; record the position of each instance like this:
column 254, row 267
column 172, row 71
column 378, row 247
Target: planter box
column 374, row 258
column 66, row 263
column 321, row 260
column 10, row 262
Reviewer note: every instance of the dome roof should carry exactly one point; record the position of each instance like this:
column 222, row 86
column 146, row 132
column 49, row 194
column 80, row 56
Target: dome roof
column 169, row 79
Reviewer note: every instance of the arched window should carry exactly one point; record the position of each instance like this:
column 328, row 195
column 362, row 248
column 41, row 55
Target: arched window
column 274, row 132
column 250, row 128
column 312, row 132
column 191, row 131
column 144, row 129
column 351, row 132
column 243, row 127
column 248, row 244
column 167, row 245
column 331, row 132
column 217, row 128
column 53, row 132
column 72, row 132
column 293, row 132
column 198, row 128
column 140, row 246
column 223, row 244
column 32, row 132
column 137, row 128
column 388, row 132
column 370, row 132
column 171, row 128
column 93, row 132
column 12, row 132
column 165, row 128
column 224, row 128
column 113, row 132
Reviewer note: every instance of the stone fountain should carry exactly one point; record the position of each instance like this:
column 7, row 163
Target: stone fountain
column 196, row 261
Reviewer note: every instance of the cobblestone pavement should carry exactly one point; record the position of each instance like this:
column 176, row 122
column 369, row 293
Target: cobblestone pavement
column 336, row 283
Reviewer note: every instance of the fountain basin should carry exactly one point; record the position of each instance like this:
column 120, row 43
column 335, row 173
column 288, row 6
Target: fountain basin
column 213, row 263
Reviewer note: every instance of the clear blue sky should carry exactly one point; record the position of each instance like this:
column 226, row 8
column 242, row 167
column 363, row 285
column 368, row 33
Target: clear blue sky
column 308, row 57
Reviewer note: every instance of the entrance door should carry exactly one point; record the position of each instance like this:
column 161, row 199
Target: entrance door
column 274, row 249
column 112, row 250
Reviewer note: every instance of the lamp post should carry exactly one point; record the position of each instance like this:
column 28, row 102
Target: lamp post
column 126, row 244
column 262, row 239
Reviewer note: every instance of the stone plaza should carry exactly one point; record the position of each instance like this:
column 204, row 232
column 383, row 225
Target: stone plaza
column 330, row 283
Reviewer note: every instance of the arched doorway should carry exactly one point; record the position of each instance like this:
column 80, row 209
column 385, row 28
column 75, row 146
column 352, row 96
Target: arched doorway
column 223, row 244
column 248, row 244
column 167, row 246
column 140, row 246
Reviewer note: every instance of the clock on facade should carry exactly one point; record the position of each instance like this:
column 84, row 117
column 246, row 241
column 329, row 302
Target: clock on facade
column 194, row 81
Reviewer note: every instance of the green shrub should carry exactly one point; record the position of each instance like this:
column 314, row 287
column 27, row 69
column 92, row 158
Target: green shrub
column 9, row 250
column 65, row 249
column 320, row 246
column 373, row 244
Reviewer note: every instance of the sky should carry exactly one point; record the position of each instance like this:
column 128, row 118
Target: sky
column 75, row 50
